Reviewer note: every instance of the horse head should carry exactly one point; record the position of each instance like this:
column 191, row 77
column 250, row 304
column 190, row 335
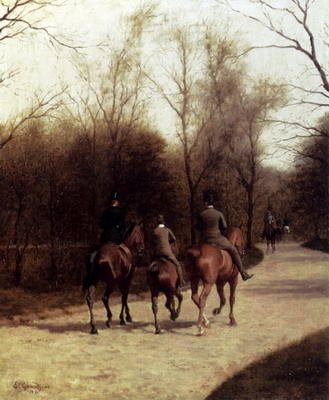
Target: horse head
column 134, row 238
column 236, row 236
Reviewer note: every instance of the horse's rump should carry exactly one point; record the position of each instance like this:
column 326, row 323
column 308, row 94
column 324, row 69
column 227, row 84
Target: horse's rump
column 162, row 274
column 209, row 260
column 115, row 259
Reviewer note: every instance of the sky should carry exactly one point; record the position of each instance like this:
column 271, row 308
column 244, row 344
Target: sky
column 89, row 21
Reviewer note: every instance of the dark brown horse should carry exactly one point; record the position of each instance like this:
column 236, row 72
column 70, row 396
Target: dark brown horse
column 162, row 277
column 115, row 265
column 212, row 266
column 270, row 235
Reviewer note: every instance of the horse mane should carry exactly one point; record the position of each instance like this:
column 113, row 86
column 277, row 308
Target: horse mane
column 129, row 229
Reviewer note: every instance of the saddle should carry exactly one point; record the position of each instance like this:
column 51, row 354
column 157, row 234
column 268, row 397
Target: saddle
column 154, row 268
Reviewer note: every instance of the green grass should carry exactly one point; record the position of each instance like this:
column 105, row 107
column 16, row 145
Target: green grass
column 298, row 372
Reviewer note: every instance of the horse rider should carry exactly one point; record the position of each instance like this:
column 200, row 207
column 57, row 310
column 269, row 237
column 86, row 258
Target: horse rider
column 112, row 222
column 162, row 238
column 209, row 223
column 268, row 219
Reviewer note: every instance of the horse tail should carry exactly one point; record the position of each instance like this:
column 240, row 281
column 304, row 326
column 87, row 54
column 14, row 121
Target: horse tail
column 89, row 276
column 154, row 269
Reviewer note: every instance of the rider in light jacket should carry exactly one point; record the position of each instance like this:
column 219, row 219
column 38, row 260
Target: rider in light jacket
column 209, row 223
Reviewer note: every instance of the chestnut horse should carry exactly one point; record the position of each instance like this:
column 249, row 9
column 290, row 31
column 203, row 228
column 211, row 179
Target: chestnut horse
column 212, row 266
column 115, row 265
column 162, row 277
column 270, row 236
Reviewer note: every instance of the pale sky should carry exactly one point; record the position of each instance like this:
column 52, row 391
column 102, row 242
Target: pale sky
column 89, row 21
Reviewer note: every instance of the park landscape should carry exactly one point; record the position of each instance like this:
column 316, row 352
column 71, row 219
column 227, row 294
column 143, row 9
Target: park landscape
column 161, row 102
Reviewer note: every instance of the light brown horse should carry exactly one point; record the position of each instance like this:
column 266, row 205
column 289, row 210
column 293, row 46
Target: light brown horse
column 212, row 266
column 115, row 265
column 162, row 277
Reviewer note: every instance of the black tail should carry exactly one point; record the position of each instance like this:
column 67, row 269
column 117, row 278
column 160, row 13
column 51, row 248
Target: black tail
column 88, row 279
column 154, row 269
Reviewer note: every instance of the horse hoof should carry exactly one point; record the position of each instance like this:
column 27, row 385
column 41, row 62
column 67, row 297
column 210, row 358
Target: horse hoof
column 129, row 319
column 215, row 311
column 173, row 317
column 206, row 322
column 200, row 331
column 233, row 323
column 157, row 331
column 108, row 324
column 94, row 331
column 122, row 322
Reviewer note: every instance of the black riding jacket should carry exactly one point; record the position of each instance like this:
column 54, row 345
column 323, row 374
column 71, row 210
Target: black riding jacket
column 113, row 224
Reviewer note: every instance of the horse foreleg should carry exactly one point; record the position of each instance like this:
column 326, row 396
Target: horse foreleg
column 202, row 303
column 124, row 288
column 105, row 299
column 90, row 302
column 154, row 299
column 220, row 291
column 233, row 284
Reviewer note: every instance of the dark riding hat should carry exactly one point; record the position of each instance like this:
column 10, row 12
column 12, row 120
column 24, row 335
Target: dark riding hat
column 160, row 219
column 209, row 196
column 114, row 196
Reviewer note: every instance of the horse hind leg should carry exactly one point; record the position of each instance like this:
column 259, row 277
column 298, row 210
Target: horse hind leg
column 170, row 305
column 220, row 291
column 179, row 296
column 202, row 303
column 154, row 299
column 90, row 302
column 233, row 284
column 105, row 299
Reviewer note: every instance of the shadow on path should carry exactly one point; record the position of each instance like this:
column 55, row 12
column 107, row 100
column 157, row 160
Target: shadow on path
column 300, row 371
column 293, row 288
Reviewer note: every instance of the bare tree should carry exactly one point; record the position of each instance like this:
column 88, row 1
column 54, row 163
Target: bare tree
column 24, row 19
column 18, row 167
column 119, row 99
column 244, row 133
column 297, row 27
column 184, row 92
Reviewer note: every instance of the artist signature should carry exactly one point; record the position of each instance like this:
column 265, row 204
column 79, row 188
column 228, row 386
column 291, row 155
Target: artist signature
column 32, row 387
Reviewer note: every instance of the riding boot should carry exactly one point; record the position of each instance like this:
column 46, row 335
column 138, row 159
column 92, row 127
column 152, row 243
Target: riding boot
column 237, row 261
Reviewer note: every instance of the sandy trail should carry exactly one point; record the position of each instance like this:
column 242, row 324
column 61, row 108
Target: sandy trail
column 58, row 359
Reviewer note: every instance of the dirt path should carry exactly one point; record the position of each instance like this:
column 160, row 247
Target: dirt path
column 58, row 359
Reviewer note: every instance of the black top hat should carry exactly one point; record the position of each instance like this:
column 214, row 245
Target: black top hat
column 114, row 196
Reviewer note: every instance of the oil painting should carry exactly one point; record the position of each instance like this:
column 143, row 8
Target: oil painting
column 164, row 224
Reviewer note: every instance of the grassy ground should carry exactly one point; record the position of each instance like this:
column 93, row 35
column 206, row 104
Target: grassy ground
column 300, row 371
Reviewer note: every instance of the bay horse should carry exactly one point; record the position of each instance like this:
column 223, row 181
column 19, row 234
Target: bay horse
column 162, row 277
column 115, row 265
column 212, row 265
column 270, row 236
